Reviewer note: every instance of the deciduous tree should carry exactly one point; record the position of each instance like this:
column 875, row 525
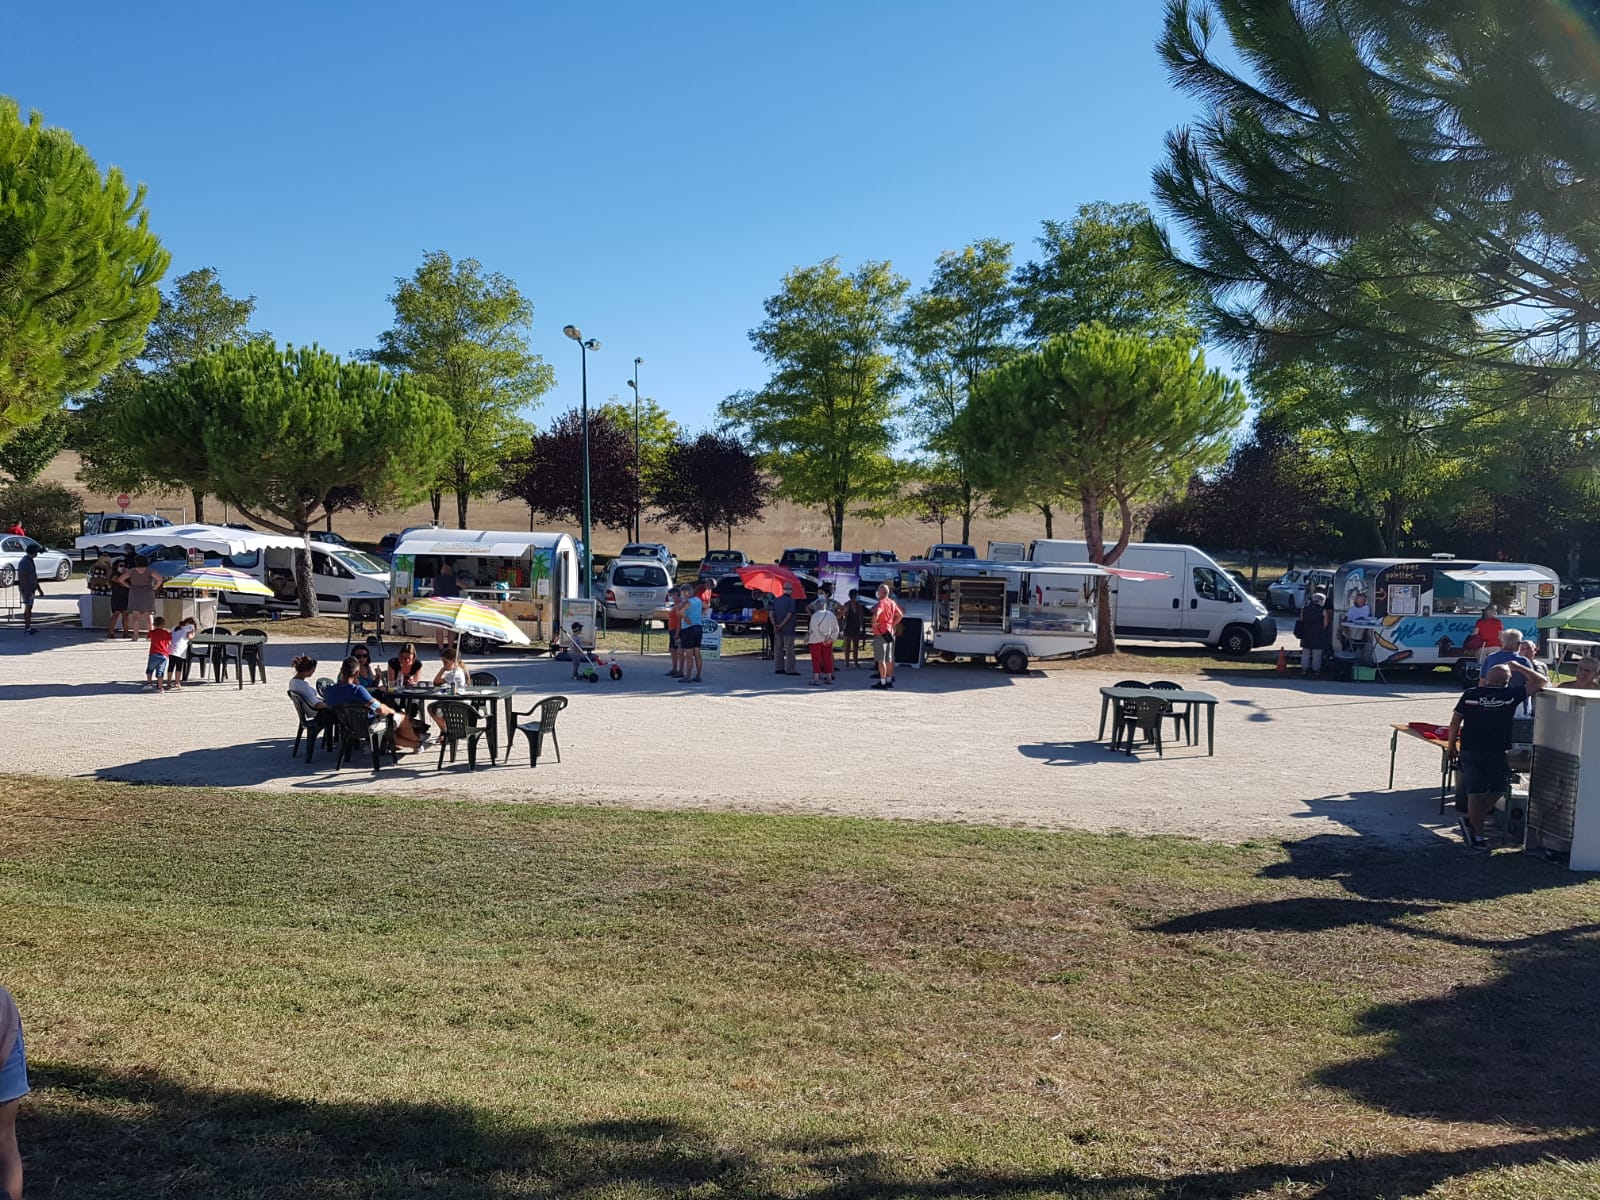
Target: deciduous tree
column 1108, row 417
column 713, row 482
column 547, row 475
column 78, row 269
column 291, row 434
column 824, row 420
column 657, row 434
column 463, row 334
column 29, row 450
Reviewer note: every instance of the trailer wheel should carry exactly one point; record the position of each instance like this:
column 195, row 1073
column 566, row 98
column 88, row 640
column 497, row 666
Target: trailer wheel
column 1014, row 662
column 1235, row 641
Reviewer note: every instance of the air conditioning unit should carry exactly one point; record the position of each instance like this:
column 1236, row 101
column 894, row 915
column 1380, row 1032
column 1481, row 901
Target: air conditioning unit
column 1564, row 789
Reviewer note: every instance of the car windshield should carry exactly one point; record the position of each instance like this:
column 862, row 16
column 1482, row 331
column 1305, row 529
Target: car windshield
column 803, row 559
column 365, row 563
column 639, row 550
column 732, row 556
column 873, row 557
column 639, row 576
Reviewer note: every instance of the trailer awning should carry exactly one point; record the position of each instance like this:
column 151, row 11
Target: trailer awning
column 208, row 539
column 1493, row 575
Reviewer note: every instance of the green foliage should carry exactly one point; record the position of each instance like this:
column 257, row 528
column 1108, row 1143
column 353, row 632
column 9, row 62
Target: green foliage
column 1102, row 266
column 78, row 269
column 51, row 514
column 658, row 434
column 950, row 333
column 1400, row 172
column 1104, row 416
column 824, row 420
column 195, row 315
column 292, row 434
column 713, row 482
column 28, row 451
column 462, row 333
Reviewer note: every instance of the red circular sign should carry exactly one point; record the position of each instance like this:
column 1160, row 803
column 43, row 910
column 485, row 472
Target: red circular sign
column 123, row 501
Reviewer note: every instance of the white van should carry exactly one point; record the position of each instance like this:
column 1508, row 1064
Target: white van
column 1201, row 602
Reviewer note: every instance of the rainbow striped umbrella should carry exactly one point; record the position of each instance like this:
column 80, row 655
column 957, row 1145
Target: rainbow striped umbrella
column 217, row 579
column 464, row 616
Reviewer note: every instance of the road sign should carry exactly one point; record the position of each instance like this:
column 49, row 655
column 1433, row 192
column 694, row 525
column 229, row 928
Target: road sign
column 123, row 501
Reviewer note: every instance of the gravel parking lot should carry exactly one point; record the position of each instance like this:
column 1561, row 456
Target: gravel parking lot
column 955, row 743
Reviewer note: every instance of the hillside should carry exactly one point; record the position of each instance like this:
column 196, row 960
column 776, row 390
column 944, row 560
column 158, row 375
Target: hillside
column 784, row 524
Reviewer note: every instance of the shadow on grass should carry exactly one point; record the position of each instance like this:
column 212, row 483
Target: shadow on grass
column 91, row 1135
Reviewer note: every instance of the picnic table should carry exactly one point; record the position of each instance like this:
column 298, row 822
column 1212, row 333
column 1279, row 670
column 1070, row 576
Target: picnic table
column 415, row 700
column 1447, row 765
column 1117, row 696
column 232, row 646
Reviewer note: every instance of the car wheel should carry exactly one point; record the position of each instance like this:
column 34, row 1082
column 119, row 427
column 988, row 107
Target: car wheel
column 1235, row 641
column 64, row 571
column 471, row 643
column 8, row 576
column 241, row 608
column 1014, row 662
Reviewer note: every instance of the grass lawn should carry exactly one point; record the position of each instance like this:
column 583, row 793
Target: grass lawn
column 233, row 994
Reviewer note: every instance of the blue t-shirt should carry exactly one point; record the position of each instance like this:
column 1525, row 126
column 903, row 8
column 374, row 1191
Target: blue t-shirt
column 336, row 694
column 783, row 613
column 693, row 613
column 1495, row 659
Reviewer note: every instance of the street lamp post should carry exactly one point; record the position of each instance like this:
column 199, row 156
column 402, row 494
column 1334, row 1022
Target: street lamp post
column 638, row 458
column 584, row 347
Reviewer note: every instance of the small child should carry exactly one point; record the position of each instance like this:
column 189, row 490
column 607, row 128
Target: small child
column 155, row 671
column 178, row 652
column 452, row 671
column 576, row 629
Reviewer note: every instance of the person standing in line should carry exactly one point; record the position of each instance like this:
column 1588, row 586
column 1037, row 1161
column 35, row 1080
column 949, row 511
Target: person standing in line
column 674, row 621
column 1315, row 631
column 142, row 585
column 820, row 635
column 119, row 594
column 824, row 599
column 13, row 1087
column 689, row 634
column 28, row 586
column 155, row 666
column 853, row 624
column 783, row 623
column 886, row 616
column 1480, row 728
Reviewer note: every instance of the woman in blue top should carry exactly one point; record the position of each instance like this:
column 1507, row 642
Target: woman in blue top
column 689, row 634
column 349, row 691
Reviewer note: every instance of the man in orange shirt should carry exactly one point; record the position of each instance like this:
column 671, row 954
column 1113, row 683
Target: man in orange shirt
column 674, row 622
column 886, row 616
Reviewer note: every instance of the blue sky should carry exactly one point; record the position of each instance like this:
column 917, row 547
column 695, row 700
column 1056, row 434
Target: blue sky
column 645, row 171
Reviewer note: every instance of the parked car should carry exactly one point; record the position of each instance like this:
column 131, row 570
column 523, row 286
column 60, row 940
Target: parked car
column 656, row 550
column 1292, row 588
column 944, row 550
column 388, row 542
column 330, row 537
column 633, row 588
column 718, row 563
column 117, row 529
column 801, row 558
column 1579, row 589
column 52, row 564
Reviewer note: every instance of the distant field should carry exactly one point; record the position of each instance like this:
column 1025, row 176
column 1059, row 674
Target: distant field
column 785, row 525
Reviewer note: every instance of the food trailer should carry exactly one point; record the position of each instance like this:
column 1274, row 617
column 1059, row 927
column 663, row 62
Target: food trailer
column 1011, row 611
column 1426, row 612
column 532, row 578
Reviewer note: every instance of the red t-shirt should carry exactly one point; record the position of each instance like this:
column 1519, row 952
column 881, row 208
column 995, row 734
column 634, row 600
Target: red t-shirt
column 1488, row 630
column 160, row 641
column 885, row 616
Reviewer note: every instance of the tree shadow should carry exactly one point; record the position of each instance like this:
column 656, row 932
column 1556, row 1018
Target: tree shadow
column 96, row 1134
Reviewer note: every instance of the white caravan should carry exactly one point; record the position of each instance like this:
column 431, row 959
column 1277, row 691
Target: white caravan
column 338, row 574
column 1200, row 602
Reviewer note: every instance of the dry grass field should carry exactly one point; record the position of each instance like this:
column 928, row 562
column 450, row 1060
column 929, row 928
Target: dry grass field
column 785, row 525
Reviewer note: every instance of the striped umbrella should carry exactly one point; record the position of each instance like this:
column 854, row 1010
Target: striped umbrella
column 217, row 579
column 464, row 616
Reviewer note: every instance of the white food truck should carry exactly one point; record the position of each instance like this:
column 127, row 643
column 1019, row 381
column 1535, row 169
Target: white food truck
column 532, row 578
column 338, row 573
column 1198, row 602
column 1009, row 611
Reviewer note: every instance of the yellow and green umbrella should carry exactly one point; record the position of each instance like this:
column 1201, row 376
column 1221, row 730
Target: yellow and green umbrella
column 464, row 616
column 217, row 579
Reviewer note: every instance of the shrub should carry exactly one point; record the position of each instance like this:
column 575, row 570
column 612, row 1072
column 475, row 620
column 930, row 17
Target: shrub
column 51, row 513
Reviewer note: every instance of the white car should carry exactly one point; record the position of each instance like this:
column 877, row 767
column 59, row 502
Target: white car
column 1294, row 588
column 52, row 564
column 634, row 588
column 655, row 550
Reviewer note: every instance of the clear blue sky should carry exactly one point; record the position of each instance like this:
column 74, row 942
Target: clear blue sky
column 646, row 171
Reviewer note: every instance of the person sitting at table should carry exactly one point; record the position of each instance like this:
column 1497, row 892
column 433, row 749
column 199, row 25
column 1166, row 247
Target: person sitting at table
column 367, row 675
column 348, row 691
column 405, row 669
column 452, row 671
column 1359, row 610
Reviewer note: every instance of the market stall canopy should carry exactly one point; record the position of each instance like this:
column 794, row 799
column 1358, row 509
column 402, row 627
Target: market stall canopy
column 1491, row 574
column 476, row 543
column 1584, row 616
column 208, row 539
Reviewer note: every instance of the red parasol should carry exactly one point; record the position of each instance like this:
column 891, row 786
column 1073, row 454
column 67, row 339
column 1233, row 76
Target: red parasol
column 773, row 579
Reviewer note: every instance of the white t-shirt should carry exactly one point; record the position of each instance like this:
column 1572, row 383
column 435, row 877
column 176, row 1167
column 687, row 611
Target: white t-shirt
column 455, row 676
column 1358, row 612
column 306, row 690
column 180, row 641
column 824, row 626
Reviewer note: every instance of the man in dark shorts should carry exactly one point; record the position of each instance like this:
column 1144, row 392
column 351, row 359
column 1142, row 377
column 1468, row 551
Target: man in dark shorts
column 1480, row 728
column 119, row 593
column 28, row 586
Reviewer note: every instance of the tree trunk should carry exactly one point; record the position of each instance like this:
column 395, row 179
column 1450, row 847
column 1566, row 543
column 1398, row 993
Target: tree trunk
column 304, row 588
column 1105, row 638
column 730, row 537
column 941, row 531
column 707, row 532
column 966, row 514
column 1049, row 520
column 199, row 506
column 461, row 510
column 836, row 520
column 436, row 498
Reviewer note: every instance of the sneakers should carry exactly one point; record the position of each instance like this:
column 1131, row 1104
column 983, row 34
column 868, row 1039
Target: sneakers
column 1480, row 845
column 1465, row 830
